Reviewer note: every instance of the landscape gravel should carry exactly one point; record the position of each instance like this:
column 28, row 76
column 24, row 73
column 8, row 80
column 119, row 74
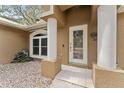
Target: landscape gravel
column 23, row 75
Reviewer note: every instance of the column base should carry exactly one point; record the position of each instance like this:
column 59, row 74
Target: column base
column 50, row 69
column 105, row 78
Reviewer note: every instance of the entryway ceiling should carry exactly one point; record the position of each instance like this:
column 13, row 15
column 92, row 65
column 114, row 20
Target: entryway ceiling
column 65, row 7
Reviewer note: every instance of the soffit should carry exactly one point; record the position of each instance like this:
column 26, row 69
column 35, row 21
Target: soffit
column 65, row 7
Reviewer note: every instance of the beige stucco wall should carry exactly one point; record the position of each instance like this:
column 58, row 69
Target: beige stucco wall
column 104, row 78
column 11, row 41
column 120, row 40
column 50, row 69
column 76, row 17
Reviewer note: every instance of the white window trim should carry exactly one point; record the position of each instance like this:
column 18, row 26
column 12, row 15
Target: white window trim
column 31, row 43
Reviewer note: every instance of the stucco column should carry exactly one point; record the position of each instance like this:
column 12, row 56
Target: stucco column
column 52, row 38
column 52, row 65
column 107, row 25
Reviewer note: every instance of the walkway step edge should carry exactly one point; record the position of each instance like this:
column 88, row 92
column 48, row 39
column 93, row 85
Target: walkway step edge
column 73, row 83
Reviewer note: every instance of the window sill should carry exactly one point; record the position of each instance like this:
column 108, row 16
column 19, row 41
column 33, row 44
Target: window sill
column 37, row 56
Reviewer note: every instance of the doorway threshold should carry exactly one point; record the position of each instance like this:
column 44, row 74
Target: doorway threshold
column 76, row 76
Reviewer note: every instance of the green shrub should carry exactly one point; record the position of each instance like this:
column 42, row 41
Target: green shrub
column 22, row 56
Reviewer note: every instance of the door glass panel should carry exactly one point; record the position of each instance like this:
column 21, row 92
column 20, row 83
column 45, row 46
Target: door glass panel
column 78, row 44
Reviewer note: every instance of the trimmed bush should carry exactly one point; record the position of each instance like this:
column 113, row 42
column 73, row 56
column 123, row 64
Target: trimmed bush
column 22, row 56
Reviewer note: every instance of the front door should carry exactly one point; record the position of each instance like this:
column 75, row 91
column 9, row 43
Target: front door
column 78, row 44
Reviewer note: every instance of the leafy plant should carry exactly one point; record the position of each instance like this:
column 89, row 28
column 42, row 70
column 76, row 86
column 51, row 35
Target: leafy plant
column 22, row 56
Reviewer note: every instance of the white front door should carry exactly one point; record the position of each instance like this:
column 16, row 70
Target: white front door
column 78, row 44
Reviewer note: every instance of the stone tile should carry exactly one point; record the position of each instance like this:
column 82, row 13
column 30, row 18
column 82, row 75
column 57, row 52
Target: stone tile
column 63, row 84
column 78, row 76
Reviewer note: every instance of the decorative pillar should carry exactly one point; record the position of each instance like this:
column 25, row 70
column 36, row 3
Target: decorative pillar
column 107, row 29
column 52, row 65
column 52, row 39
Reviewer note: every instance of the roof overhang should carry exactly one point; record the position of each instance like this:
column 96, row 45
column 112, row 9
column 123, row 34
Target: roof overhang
column 41, row 24
column 9, row 23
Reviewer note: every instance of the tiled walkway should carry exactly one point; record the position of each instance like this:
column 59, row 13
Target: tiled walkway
column 73, row 77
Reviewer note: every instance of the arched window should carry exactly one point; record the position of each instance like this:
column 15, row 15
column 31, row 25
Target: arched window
column 38, row 44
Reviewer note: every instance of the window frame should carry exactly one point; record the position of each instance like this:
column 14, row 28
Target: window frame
column 31, row 43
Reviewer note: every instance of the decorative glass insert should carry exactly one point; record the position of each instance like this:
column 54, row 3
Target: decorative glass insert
column 78, row 44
